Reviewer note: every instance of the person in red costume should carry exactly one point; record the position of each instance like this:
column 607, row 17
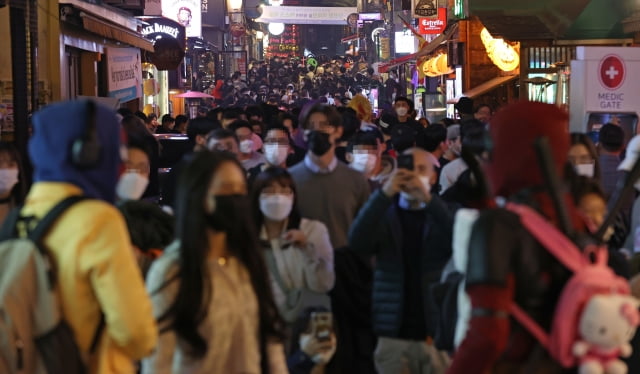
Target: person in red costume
column 505, row 262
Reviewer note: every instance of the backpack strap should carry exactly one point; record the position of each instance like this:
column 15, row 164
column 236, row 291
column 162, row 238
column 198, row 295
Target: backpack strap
column 273, row 267
column 8, row 230
column 556, row 243
column 532, row 326
column 43, row 226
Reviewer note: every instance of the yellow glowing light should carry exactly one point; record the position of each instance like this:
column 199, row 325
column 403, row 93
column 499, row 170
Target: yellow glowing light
column 503, row 55
column 436, row 66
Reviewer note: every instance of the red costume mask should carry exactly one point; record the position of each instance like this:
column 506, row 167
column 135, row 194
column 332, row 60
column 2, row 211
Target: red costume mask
column 514, row 130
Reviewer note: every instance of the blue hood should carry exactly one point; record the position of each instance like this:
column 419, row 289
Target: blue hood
column 55, row 128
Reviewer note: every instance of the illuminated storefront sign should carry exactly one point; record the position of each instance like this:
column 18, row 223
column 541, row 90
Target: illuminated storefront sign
column 169, row 42
column 433, row 25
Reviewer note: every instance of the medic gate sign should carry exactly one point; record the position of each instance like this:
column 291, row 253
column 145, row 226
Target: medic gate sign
column 610, row 78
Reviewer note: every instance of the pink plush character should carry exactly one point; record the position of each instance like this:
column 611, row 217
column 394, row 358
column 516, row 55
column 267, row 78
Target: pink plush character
column 607, row 324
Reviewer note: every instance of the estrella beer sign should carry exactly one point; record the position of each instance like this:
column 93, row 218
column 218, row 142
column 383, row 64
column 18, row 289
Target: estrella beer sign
column 433, row 25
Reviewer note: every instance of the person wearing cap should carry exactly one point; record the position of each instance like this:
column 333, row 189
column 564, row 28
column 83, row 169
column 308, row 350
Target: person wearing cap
column 404, row 108
column 97, row 277
column 464, row 106
column 611, row 141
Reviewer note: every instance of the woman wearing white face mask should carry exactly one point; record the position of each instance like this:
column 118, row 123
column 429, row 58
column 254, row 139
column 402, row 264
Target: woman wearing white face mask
column 584, row 156
column 135, row 179
column 297, row 250
column 12, row 191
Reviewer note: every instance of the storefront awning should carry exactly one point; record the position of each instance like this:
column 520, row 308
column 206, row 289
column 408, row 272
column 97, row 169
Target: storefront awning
column 114, row 32
column 485, row 87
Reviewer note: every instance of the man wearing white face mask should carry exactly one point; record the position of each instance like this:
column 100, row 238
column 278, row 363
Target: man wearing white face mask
column 247, row 156
column 364, row 154
column 409, row 230
column 404, row 109
column 134, row 181
column 276, row 148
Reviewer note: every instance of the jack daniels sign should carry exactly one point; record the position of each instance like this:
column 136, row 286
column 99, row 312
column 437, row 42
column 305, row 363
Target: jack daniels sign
column 169, row 39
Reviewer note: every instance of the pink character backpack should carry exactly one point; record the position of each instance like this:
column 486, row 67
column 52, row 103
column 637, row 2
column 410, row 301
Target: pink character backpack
column 590, row 278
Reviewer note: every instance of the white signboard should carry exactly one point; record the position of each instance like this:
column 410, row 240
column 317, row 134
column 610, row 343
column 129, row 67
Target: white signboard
column 612, row 80
column 188, row 13
column 124, row 73
column 306, row 15
column 604, row 80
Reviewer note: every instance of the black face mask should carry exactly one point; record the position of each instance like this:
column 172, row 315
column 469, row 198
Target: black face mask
column 319, row 142
column 229, row 213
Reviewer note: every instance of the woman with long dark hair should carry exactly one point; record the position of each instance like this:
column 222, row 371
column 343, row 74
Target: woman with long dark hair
column 298, row 250
column 210, row 289
column 13, row 185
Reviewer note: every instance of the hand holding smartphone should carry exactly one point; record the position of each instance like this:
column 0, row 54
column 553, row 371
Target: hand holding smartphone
column 322, row 325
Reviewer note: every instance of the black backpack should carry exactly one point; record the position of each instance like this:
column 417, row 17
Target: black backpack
column 445, row 310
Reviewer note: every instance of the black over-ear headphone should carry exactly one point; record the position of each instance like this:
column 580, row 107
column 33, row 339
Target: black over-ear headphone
column 85, row 152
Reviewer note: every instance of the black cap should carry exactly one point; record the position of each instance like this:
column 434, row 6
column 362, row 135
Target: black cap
column 464, row 105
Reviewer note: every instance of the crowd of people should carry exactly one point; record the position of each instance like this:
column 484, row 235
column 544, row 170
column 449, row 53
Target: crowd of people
column 313, row 236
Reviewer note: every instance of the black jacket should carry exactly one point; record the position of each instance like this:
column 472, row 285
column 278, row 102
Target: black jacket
column 376, row 231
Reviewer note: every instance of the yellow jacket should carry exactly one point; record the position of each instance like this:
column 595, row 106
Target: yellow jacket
column 96, row 270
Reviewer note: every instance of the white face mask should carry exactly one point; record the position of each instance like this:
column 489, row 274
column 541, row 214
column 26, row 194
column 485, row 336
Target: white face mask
column 586, row 170
column 8, row 179
column 276, row 207
column 402, row 111
column 131, row 185
column 426, row 182
column 246, row 146
column 276, row 154
column 364, row 162
column 320, row 357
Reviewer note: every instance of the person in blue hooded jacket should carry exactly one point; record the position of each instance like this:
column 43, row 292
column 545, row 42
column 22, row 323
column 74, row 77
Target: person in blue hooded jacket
column 96, row 269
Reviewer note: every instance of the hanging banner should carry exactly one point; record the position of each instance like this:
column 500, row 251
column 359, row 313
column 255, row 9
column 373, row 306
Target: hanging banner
column 188, row 13
column 124, row 80
column 428, row 26
column 305, row 15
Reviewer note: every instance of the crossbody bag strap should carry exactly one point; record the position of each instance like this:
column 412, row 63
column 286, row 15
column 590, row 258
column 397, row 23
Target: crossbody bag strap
column 273, row 267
